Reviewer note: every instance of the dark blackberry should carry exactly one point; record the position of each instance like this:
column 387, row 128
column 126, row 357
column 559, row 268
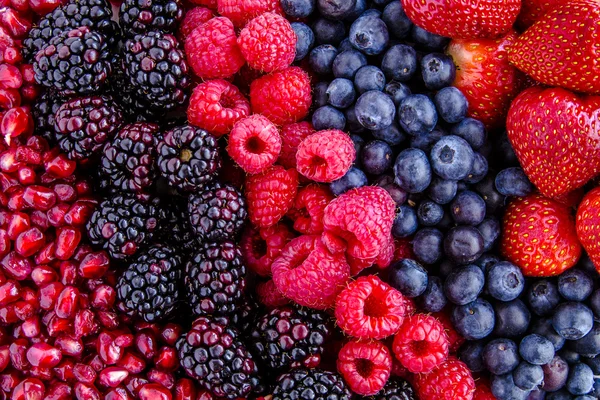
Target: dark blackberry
column 44, row 109
column 76, row 62
column 127, row 161
column 188, row 157
column 245, row 315
column 139, row 16
column 289, row 337
column 217, row 213
column 395, row 389
column 313, row 384
column 149, row 287
column 157, row 70
column 213, row 353
column 215, row 279
column 174, row 228
column 96, row 14
column 122, row 224
column 84, row 124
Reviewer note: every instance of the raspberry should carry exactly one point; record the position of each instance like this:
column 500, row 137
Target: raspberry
column 452, row 380
column 268, row 43
column 270, row 195
column 261, row 247
column 193, row 19
column 366, row 367
column 216, row 106
column 212, row 49
column 421, row 344
column 309, row 274
column 211, row 4
column 386, row 255
column 309, row 206
column 283, row 97
column 369, row 309
column 403, row 249
column 240, row 12
column 325, row 155
column 269, row 295
column 483, row 391
column 291, row 136
column 254, row 143
column 454, row 338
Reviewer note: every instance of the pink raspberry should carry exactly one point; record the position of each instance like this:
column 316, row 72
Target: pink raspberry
column 483, row 390
column 309, row 274
column 212, row 50
column 269, row 296
column 382, row 260
column 193, row 19
column 454, row 338
column 325, row 155
column 268, row 43
column 270, row 195
column 365, row 366
column 403, row 249
column 254, row 143
column 291, row 136
column 386, row 255
column 240, row 12
column 216, row 106
column 309, row 206
column 212, row 4
column 261, row 247
column 452, row 380
column 369, row 309
column 283, row 97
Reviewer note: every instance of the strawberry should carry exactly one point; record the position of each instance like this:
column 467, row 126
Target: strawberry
column 533, row 10
column 539, row 236
column 463, row 19
column 561, row 48
column 485, row 76
column 588, row 225
column 556, row 137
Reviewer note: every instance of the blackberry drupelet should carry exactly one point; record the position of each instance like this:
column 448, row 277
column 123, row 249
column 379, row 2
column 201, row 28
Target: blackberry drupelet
column 122, row 224
column 127, row 161
column 311, row 384
column 213, row 353
column 395, row 389
column 174, row 228
column 84, row 124
column 290, row 337
column 217, row 213
column 44, row 109
column 150, row 286
column 139, row 16
column 245, row 315
column 215, row 279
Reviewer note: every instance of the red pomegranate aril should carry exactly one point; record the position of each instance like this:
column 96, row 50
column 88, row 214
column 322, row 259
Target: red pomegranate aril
column 15, row 200
column 16, row 23
column 94, row 265
column 4, row 357
column 45, row 255
column 9, row 185
column 56, row 215
column 9, row 292
column 167, row 359
column 103, row 297
column 86, row 392
column 27, row 176
column 27, row 71
column 18, row 354
column 57, row 325
column 30, row 242
column 185, row 389
column 80, row 212
column 60, row 166
column 146, row 344
column 65, row 193
column 4, row 243
column 49, row 294
column 29, row 389
column 28, row 155
column 68, row 273
column 107, row 350
column 40, row 219
column 18, row 223
column 8, row 315
column 59, row 391
column 132, row 363
column 30, row 92
column 8, row 160
column 43, row 355
column 45, row 374
column 67, row 239
column 84, row 373
column 10, row 76
column 39, row 197
column 85, row 324
column 16, row 266
column 25, row 310
column 67, row 302
column 43, row 274
column 112, row 376
column 9, row 98
column 16, row 121
column 108, row 319
column 165, row 379
column 64, row 370
column 171, row 333
column 134, row 383
column 69, row 346
column 9, row 380
column 118, row 393
column 154, row 391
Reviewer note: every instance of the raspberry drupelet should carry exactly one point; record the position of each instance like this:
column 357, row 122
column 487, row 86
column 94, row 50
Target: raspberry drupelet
column 325, row 155
column 309, row 206
column 291, row 136
column 254, row 143
column 365, row 366
column 240, row 12
column 261, row 247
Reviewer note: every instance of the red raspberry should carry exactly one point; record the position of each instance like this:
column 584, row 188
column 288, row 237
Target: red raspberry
column 261, row 247
column 283, row 97
column 421, row 344
column 212, row 4
column 240, row 12
column 386, row 255
column 366, row 367
column 482, row 390
column 409, row 306
column 268, row 43
column 403, row 249
column 309, row 274
column 212, row 49
column 270, row 195
column 454, row 338
column 216, row 106
column 292, row 135
column 369, row 309
column 269, row 295
column 452, row 380
column 193, row 19
column 325, row 155
column 309, row 206
column 254, row 143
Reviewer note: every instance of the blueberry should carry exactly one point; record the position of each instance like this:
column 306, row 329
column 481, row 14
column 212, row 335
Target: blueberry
column 371, row 12
column 429, row 213
column 375, row 110
column 575, row 285
column 397, row 91
column 329, row 31
column 380, row 2
column 399, row 63
column 319, row 96
column 387, row 182
column 536, row 349
column 359, row 10
column 438, row 70
column 486, row 261
column 589, row 345
column 433, row 298
column 501, row 356
column 490, row 231
column 321, row 59
column 504, row 281
column 405, row 223
column 479, row 169
column 544, row 327
column 569, row 355
column 369, row 34
column 580, row 380
column 417, row 114
column 352, row 123
column 562, row 394
column 335, row 9
column 537, row 394
column 442, row 191
column 555, row 374
column 463, row 244
column 392, row 134
column 352, row 179
column 347, row 63
column 595, row 302
column 305, row 39
column 512, row 318
column 376, row 157
column 452, row 158
column 398, row 23
column 368, row 78
column 345, row 45
column 451, row 104
column 340, row 93
column 594, row 364
column 446, row 222
column 472, row 130
column 475, row 320
column 298, row 8
column 445, row 268
column 494, row 201
column 471, row 353
column 513, row 182
column 358, row 142
column 464, row 284
column 328, row 117
column 426, row 141
column 468, row 208
column 503, row 387
column 572, row 320
column 412, row 170
column 528, row 376
column 408, row 277
column 543, row 297
column 428, row 40
column 427, row 245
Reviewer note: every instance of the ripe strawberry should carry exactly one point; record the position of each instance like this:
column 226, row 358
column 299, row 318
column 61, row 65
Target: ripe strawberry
column 533, row 10
column 539, row 236
column 556, row 137
column 485, row 77
column 463, row 19
column 588, row 225
column 561, row 48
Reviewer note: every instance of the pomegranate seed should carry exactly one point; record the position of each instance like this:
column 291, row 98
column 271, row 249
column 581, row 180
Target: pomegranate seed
column 10, row 76
column 4, row 243
column 69, row 346
column 65, row 193
column 43, row 7
column 163, row 378
column 146, row 344
column 96, row 363
column 42, row 275
column 82, row 251
column 20, row 5
column 103, row 297
column 59, row 391
column 18, row 223
column 8, row 161
column 132, row 363
column 86, row 392
column 84, row 324
column 25, row 310
column 154, row 391
column 27, row 71
column 18, row 25
column 45, row 374
column 84, row 373
column 56, row 215
column 67, row 239
column 38, row 218
column 9, row 380
column 28, row 155
column 9, row 98
column 80, row 212
column 45, row 255
column 167, row 359
column 49, row 294
column 15, row 122
column 16, row 266
column 18, row 354
column 30, row 92
column 9, row 292
column 5, row 38
column 185, row 389
column 27, row 176
column 67, row 302
column 57, row 325
column 112, row 376
column 29, row 389
column 4, row 357
column 64, row 370
column 108, row 351
column 134, row 383
column 171, row 333
column 60, row 166
column 68, row 273
column 109, row 320
column 30, row 242
column 12, row 55
column 118, row 393
column 43, row 355
column 39, row 197
column 15, row 200
column 8, row 315
column 94, row 265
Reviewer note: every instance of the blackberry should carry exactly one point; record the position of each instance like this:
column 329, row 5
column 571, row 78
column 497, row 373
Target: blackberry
column 122, row 224
column 188, row 157
column 213, row 353
column 157, row 70
column 215, row 279
column 174, row 228
column 149, row 287
column 217, row 213
column 127, row 161
column 290, row 337
column 313, row 384
column 395, row 389
column 76, row 62
column 139, row 16
column 44, row 109
column 84, row 124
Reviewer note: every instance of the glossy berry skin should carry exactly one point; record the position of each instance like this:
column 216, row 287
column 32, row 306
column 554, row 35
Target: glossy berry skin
column 412, row 170
column 368, row 78
column 305, row 40
column 417, row 114
column 452, row 158
column 504, row 281
column 501, row 356
column 536, row 349
column 513, row 182
column 353, row 178
column 317, row 383
column 282, row 186
column 438, row 71
column 408, row 277
column 375, row 110
column 572, row 320
column 452, row 380
column 464, row 284
column 340, row 93
column 503, row 387
column 463, row 244
column 399, row 63
column 241, row 13
column 587, row 218
column 543, row 297
column 321, row 59
column 512, row 318
column 580, row 380
column 474, row 320
column 451, row 104
column 365, row 366
column 468, row 208
column 376, row 157
column 533, row 10
column 369, row 34
column 528, row 376
column 137, row 17
column 575, row 285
